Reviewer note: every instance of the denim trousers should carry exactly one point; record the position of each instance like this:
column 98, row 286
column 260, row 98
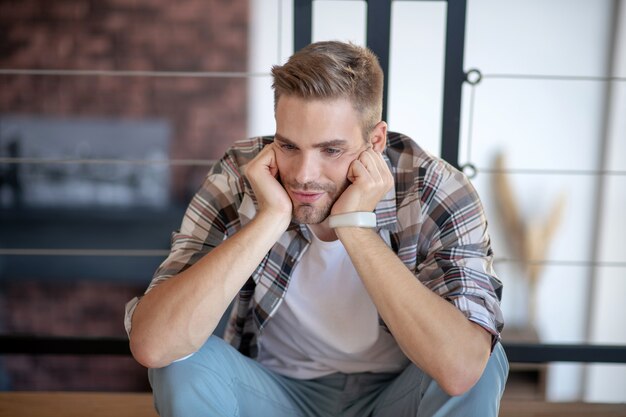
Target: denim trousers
column 219, row 381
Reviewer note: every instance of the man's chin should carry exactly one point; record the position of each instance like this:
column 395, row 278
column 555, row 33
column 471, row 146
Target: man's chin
column 309, row 215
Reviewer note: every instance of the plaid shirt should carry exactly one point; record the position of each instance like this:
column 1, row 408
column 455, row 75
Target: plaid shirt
column 432, row 219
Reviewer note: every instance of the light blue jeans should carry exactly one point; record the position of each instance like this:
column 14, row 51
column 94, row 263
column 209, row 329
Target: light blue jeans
column 218, row 381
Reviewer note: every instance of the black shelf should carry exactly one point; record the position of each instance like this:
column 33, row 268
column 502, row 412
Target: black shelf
column 147, row 230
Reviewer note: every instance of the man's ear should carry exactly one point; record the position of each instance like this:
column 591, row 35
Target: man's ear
column 378, row 137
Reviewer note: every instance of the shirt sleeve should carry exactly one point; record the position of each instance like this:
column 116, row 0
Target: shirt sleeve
column 458, row 257
column 210, row 217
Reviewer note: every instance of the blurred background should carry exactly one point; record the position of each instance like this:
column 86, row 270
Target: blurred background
column 112, row 111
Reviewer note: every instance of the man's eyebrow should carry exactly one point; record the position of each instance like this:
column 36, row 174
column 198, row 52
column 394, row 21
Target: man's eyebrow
column 325, row 144
column 278, row 136
column 331, row 143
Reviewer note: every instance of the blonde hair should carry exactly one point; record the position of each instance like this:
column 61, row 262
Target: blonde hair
column 332, row 70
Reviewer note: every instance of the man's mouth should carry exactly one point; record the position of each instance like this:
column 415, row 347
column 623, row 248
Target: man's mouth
column 307, row 197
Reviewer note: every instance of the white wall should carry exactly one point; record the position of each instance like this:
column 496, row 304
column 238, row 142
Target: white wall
column 270, row 43
column 542, row 124
column 608, row 313
column 538, row 124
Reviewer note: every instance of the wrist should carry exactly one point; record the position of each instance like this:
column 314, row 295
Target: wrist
column 354, row 234
column 278, row 220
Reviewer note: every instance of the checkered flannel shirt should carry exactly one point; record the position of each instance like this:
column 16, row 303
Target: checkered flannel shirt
column 432, row 219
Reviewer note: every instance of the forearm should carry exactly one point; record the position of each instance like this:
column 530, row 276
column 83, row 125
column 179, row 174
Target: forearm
column 177, row 316
column 433, row 333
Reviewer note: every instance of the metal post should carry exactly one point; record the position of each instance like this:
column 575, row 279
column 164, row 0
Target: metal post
column 302, row 23
column 454, row 76
column 379, row 37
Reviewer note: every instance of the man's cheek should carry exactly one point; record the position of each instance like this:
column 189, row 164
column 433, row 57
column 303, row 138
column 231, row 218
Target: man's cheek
column 280, row 179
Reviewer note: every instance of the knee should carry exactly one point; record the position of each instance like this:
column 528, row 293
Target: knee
column 180, row 385
column 493, row 379
column 209, row 359
column 483, row 399
column 173, row 385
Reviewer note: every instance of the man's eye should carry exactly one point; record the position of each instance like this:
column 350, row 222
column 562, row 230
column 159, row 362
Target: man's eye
column 287, row 147
column 332, row 151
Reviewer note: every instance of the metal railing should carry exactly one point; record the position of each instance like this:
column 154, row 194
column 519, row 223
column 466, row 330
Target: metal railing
column 378, row 38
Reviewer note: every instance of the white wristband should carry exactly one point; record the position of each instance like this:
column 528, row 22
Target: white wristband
column 355, row 219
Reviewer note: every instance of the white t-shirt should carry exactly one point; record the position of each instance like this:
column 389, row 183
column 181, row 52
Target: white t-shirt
column 327, row 322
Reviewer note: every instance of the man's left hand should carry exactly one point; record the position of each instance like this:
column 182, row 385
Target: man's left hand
column 370, row 179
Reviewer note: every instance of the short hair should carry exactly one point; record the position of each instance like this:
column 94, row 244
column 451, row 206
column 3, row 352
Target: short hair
column 333, row 70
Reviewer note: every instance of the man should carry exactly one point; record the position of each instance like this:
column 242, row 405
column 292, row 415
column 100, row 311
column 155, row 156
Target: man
column 360, row 267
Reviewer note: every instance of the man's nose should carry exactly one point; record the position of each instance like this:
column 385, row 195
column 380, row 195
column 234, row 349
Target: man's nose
column 307, row 168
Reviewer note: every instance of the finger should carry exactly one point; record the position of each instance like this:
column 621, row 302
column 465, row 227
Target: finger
column 366, row 158
column 265, row 160
column 357, row 171
column 271, row 161
column 384, row 170
column 379, row 161
column 269, row 150
column 379, row 169
column 382, row 164
column 370, row 159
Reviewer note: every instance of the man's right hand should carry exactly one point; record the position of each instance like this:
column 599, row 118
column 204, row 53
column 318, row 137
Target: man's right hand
column 176, row 317
column 262, row 173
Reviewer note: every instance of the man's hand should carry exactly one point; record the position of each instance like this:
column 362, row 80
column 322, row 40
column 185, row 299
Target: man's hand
column 262, row 172
column 177, row 316
column 371, row 179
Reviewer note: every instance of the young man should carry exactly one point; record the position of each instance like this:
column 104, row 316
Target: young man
column 360, row 267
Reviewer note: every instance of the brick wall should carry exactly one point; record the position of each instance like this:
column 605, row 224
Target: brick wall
column 68, row 309
column 205, row 115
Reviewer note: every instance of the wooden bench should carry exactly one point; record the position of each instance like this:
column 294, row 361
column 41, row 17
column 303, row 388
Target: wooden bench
column 81, row 404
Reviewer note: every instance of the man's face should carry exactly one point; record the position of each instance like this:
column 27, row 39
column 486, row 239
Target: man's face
column 317, row 140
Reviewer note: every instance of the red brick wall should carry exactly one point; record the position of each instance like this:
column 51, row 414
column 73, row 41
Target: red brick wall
column 205, row 114
column 68, row 309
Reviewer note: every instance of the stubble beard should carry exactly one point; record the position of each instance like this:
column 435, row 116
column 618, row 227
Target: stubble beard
column 309, row 213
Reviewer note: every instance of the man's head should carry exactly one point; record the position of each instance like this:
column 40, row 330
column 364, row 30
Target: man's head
column 328, row 110
column 334, row 70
